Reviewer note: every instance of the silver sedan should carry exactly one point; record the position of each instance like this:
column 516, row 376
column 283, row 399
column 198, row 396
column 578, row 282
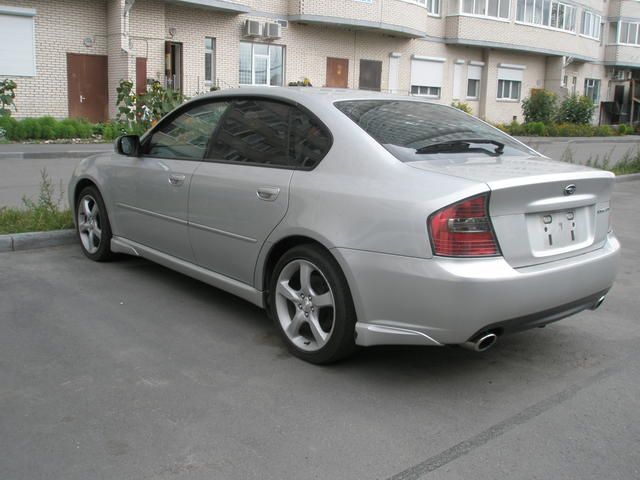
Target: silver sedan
column 355, row 218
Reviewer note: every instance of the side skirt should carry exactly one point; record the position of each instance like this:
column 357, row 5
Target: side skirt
column 242, row 290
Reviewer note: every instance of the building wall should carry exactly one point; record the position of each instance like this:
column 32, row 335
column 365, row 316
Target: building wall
column 60, row 28
column 62, row 25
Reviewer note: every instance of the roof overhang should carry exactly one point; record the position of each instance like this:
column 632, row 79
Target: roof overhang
column 217, row 5
column 355, row 24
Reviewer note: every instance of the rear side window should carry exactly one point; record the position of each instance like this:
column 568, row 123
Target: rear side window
column 253, row 132
column 187, row 135
column 310, row 140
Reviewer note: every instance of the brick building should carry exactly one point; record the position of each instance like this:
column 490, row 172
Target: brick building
column 68, row 56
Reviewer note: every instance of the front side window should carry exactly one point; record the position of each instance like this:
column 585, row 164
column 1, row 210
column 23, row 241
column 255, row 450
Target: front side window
column 509, row 89
column 261, row 64
column 210, row 60
column 253, row 132
column 547, row 13
column 404, row 127
column 486, row 8
column 592, row 89
column 186, row 136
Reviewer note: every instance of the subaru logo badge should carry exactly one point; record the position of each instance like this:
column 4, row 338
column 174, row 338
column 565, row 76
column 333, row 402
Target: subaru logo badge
column 570, row 189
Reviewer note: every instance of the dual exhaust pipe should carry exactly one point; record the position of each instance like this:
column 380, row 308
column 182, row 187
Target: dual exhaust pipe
column 487, row 340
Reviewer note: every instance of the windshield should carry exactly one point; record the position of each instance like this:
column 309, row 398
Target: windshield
column 406, row 127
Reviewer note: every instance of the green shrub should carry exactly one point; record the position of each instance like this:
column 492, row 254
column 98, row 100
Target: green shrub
column 45, row 213
column 603, row 131
column 538, row 129
column 576, row 109
column 465, row 107
column 540, row 107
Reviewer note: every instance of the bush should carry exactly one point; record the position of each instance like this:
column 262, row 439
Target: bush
column 576, row 109
column 538, row 129
column 465, row 107
column 42, row 214
column 540, row 107
column 603, row 131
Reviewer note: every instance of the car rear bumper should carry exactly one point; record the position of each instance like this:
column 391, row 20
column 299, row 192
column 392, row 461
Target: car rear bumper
column 414, row 301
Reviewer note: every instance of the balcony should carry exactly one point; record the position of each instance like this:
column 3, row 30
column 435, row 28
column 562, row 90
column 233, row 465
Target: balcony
column 393, row 17
column 505, row 34
column 217, row 5
column 622, row 56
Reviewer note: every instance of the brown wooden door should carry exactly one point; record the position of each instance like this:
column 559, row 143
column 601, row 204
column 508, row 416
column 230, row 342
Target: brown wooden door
column 370, row 75
column 87, row 87
column 337, row 72
column 141, row 75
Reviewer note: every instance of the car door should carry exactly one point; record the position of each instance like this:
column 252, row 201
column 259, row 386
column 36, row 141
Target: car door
column 239, row 193
column 156, row 216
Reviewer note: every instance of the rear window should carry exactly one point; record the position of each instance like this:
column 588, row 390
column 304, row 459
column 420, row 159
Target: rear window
column 405, row 126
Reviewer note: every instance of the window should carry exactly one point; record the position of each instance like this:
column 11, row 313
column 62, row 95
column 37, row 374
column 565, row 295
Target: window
column 261, row 64
column 474, row 74
column 509, row 81
column 253, row 132
column 628, row 33
column 403, row 126
column 473, row 88
column 547, row 13
column 187, row 135
column 487, row 8
column 592, row 89
column 210, row 60
column 426, row 76
column 509, row 90
column 17, row 51
column 432, row 6
column 590, row 25
column 310, row 140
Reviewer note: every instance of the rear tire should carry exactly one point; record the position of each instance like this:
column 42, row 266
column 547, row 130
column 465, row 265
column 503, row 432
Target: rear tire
column 92, row 225
column 311, row 305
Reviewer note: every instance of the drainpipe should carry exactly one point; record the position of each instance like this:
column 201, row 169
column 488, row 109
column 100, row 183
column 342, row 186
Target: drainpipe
column 128, row 5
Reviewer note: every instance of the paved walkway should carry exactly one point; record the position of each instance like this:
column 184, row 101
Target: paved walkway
column 52, row 150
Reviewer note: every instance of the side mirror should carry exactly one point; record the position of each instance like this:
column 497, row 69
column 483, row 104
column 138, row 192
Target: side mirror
column 128, row 145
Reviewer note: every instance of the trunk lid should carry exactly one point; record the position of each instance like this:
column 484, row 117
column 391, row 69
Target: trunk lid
column 541, row 210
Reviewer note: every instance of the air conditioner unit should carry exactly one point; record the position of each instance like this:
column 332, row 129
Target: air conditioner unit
column 251, row 28
column 272, row 30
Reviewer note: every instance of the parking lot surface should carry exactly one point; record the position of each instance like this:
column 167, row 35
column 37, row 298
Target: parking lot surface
column 127, row 370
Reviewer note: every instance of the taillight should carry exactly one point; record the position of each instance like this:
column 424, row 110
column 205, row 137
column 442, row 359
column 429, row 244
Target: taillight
column 463, row 229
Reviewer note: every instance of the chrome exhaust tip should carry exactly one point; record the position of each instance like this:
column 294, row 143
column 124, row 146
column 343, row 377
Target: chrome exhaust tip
column 598, row 303
column 482, row 343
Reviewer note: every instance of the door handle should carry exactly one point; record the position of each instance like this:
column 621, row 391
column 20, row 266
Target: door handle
column 82, row 99
column 176, row 180
column 268, row 194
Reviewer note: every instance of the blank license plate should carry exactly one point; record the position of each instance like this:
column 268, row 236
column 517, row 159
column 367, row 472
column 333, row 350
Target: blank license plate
column 559, row 229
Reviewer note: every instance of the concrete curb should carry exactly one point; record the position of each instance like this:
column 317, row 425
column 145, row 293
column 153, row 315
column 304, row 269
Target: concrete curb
column 41, row 155
column 31, row 240
column 628, row 178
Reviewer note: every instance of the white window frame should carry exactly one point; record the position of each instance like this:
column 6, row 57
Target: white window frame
column 486, row 10
column 8, row 68
column 626, row 40
column 594, row 85
column 510, row 84
column 212, row 52
column 477, row 82
column 430, row 92
column 433, row 7
column 533, row 4
column 591, row 25
column 268, row 58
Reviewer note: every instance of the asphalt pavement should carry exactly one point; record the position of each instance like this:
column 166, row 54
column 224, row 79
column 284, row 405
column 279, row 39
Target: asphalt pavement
column 127, row 370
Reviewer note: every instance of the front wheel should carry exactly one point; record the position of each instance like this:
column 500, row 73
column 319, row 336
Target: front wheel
column 92, row 225
column 311, row 305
